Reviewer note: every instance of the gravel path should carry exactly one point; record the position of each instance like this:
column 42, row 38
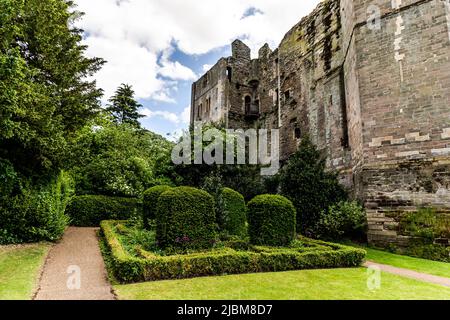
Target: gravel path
column 74, row 269
column 410, row 274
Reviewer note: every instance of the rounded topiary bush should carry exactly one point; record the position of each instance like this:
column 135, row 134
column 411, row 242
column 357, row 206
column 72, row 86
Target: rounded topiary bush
column 90, row 210
column 271, row 220
column 233, row 216
column 150, row 202
column 185, row 219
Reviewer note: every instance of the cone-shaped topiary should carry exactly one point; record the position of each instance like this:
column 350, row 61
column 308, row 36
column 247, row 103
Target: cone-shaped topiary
column 271, row 220
column 185, row 219
column 150, row 202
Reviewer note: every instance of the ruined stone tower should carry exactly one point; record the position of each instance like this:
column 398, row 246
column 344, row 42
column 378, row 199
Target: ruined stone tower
column 369, row 81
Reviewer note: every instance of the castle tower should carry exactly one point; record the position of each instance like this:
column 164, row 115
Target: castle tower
column 397, row 73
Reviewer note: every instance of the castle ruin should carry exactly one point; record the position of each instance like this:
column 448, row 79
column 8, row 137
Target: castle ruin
column 369, row 81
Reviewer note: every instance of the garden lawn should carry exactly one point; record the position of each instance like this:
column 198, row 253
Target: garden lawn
column 330, row 284
column 19, row 270
column 441, row 269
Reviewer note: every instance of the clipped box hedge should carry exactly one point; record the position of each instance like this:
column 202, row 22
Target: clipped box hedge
column 150, row 202
column 148, row 266
column 271, row 220
column 90, row 210
column 185, row 219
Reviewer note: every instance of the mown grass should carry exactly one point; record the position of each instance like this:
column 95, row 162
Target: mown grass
column 331, row 284
column 436, row 268
column 19, row 270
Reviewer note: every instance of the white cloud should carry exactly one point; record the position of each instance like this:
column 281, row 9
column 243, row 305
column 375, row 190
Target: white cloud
column 207, row 67
column 186, row 115
column 132, row 34
column 166, row 115
column 176, row 71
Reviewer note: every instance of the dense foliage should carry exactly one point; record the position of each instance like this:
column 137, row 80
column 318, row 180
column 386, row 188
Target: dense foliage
column 150, row 202
column 345, row 220
column 233, row 217
column 90, row 210
column 134, row 264
column 35, row 213
column 118, row 160
column 312, row 189
column 271, row 220
column 185, row 219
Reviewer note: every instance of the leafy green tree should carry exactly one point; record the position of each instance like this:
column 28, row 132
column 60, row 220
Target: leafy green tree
column 311, row 188
column 45, row 99
column 118, row 160
column 123, row 107
column 44, row 95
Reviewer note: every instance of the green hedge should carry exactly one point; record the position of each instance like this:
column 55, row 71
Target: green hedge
column 35, row 212
column 234, row 213
column 90, row 210
column 185, row 219
column 271, row 220
column 150, row 267
column 150, row 202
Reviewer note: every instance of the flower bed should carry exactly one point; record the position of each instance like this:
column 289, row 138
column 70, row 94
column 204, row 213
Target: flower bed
column 133, row 263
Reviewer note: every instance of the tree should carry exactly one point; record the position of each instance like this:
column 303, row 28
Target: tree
column 118, row 160
column 124, row 108
column 311, row 188
column 44, row 95
column 45, row 99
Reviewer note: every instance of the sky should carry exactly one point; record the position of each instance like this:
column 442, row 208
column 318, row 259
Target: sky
column 160, row 47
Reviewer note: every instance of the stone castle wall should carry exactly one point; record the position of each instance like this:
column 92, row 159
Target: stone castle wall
column 372, row 93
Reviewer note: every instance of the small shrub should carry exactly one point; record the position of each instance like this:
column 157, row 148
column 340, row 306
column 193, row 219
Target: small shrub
column 271, row 220
column 150, row 201
column 185, row 219
column 343, row 220
column 90, row 210
column 232, row 220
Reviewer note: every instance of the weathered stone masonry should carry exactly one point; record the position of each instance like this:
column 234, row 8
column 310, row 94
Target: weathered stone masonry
column 375, row 96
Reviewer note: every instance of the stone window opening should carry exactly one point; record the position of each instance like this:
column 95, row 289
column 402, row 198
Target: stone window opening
column 229, row 73
column 345, row 140
column 247, row 104
column 199, row 112
column 287, row 95
column 208, row 107
column 297, row 133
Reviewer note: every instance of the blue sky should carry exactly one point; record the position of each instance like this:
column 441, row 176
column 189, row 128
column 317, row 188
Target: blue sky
column 161, row 46
column 182, row 96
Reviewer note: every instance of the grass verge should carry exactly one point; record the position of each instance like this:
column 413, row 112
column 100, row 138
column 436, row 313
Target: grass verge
column 19, row 270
